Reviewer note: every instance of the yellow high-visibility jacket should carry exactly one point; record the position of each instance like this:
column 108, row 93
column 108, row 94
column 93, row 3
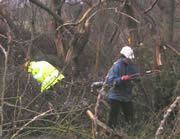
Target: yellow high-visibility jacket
column 45, row 73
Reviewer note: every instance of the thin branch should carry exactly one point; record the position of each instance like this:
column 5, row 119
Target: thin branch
column 4, row 51
column 16, row 41
column 24, row 126
column 20, row 107
column 116, row 11
column 3, row 87
column 151, row 7
column 139, row 12
column 173, row 49
column 6, row 54
column 166, row 115
column 129, row 17
column 90, row 9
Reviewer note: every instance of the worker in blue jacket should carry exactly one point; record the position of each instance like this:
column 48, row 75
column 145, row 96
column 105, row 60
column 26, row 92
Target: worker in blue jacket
column 121, row 92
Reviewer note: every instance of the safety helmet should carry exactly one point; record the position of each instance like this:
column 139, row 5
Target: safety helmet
column 127, row 52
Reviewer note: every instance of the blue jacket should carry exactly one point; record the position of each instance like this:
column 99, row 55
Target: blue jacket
column 123, row 90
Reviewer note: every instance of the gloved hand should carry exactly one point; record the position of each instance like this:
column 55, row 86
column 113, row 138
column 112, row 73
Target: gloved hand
column 125, row 77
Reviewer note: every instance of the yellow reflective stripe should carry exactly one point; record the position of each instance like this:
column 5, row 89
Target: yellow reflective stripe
column 55, row 74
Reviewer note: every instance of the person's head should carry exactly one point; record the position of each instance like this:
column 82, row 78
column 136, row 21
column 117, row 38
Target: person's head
column 127, row 54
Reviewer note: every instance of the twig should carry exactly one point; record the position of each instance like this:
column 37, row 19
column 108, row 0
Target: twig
column 3, row 87
column 28, row 54
column 104, row 126
column 161, row 127
column 35, row 118
column 152, row 6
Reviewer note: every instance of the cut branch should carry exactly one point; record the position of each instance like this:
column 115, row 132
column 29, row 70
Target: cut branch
column 105, row 127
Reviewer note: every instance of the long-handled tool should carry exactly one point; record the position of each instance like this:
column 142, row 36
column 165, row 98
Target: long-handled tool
column 98, row 84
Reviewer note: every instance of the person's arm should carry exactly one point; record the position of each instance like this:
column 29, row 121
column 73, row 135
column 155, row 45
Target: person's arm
column 115, row 75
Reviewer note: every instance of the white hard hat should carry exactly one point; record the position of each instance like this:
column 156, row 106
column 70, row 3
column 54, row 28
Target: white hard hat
column 127, row 52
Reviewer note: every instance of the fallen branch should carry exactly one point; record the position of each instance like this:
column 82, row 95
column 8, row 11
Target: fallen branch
column 166, row 115
column 105, row 127
column 35, row 118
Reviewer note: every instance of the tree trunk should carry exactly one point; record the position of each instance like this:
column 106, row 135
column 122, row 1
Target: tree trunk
column 167, row 7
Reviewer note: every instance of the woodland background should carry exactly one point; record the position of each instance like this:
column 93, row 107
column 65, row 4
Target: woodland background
column 83, row 38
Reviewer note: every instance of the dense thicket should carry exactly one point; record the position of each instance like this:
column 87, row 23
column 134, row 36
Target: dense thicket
column 83, row 39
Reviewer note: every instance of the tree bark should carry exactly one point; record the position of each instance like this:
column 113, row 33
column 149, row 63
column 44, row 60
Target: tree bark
column 167, row 7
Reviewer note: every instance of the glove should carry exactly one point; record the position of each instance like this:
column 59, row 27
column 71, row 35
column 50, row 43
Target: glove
column 125, row 77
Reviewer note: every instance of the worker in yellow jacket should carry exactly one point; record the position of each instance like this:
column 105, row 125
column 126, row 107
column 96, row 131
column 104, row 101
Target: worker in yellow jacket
column 45, row 73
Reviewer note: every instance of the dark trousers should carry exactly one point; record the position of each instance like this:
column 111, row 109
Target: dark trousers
column 127, row 109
